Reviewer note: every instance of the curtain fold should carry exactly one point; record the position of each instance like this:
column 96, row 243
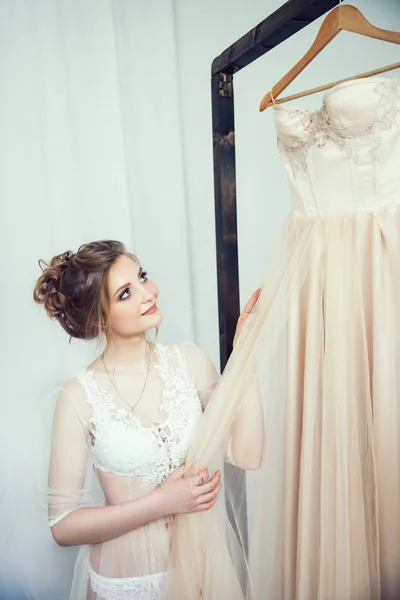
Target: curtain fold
column 90, row 148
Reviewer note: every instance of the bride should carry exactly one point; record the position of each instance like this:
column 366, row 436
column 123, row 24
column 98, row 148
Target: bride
column 123, row 427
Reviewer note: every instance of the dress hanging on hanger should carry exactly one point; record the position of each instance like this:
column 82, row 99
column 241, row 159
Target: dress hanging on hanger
column 320, row 519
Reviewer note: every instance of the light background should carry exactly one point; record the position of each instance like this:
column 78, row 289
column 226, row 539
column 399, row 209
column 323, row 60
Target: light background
column 105, row 121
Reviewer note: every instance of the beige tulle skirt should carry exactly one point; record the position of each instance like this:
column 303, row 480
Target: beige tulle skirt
column 320, row 354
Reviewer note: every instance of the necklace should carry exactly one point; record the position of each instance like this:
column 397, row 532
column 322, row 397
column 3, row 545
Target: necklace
column 112, row 380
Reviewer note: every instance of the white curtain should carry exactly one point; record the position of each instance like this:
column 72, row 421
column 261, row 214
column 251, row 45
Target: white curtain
column 90, row 148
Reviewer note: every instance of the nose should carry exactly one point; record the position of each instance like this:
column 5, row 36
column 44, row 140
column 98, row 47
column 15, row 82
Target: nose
column 147, row 296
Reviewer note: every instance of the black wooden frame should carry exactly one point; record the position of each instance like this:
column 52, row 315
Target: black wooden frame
column 275, row 29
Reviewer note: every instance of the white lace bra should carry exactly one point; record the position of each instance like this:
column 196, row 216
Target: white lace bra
column 123, row 445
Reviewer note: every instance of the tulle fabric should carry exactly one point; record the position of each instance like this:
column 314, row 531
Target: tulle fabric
column 320, row 518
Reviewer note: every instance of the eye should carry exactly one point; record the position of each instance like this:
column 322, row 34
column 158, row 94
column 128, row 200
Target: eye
column 143, row 276
column 125, row 294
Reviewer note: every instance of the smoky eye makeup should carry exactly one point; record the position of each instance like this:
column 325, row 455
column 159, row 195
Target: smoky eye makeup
column 125, row 294
column 142, row 274
column 126, row 291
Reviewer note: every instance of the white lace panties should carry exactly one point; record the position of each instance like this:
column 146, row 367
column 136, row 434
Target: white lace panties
column 149, row 587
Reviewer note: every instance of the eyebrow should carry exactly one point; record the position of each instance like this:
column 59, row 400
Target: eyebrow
column 122, row 288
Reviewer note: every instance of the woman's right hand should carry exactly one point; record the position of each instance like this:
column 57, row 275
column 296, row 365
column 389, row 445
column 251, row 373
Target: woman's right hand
column 190, row 494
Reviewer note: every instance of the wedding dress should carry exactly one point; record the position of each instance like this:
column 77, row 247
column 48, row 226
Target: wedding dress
column 320, row 520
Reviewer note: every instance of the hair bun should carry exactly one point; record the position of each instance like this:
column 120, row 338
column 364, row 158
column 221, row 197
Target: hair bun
column 48, row 287
column 73, row 288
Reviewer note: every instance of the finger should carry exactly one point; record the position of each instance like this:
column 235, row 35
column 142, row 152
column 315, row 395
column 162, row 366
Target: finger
column 208, row 486
column 205, row 498
column 206, row 477
column 251, row 303
column 212, row 480
column 205, row 488
column 205, row 506
column 202, row 476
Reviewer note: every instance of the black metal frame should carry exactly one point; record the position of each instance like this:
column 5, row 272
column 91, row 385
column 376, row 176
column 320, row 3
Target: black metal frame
column 275, row 29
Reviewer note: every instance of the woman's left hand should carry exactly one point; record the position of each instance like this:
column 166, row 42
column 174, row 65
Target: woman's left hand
column 245, row 314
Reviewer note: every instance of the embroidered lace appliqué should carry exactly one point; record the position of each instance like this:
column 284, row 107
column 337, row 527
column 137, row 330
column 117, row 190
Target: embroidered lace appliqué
column 151, row 587
column 181, row 404
column 317, row 125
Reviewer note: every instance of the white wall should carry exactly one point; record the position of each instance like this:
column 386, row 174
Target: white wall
column 204, row 30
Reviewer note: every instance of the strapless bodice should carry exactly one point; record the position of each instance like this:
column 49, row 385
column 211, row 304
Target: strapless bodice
column 344, row 157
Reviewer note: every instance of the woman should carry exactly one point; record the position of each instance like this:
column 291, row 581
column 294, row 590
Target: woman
column 130, row 416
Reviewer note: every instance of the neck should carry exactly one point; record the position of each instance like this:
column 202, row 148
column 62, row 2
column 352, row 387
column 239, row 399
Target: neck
column 121, row 352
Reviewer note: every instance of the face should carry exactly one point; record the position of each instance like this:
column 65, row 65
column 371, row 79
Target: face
column 133, row 299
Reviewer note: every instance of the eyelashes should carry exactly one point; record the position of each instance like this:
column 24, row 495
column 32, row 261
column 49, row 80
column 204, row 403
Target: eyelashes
column 127, row 291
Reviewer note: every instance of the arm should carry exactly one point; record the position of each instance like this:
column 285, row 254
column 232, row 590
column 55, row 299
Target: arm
column 103, row 523
column 244, row 442
column 74, row 524
column 244, row 445
column 247, row 430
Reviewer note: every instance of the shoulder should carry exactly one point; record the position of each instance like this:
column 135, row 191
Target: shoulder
column 192, row 354
column 72, row 399
column 186, row 349
column 73, row 386
column 189, row 349
column 197, row 360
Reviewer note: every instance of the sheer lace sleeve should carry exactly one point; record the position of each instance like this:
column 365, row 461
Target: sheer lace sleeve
column 201, row 371
column 69, row 452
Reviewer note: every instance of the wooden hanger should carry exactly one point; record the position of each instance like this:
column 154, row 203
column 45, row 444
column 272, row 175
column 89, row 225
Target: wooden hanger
column 342, row 18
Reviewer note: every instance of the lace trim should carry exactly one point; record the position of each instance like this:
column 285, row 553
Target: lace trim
column 181, row 404
column 54, row 520
column 150, row 587
column 317, row 124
